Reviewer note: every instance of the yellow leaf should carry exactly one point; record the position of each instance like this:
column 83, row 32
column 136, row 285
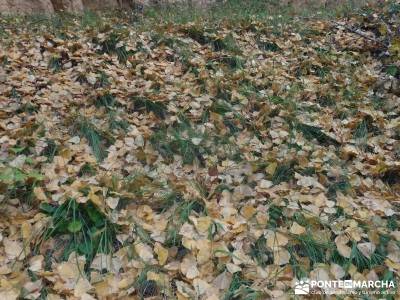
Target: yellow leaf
column 144, row 251
column 39, row 194
column 337, row 271
column 13, row 249
column 270, row 169
column 297, row 229
column 276, row 239
column 281, row 256
column 343, row 249
column 203, row 224
column 26, row 231
column 248, row 211
column 189, row 267
column 162, row 254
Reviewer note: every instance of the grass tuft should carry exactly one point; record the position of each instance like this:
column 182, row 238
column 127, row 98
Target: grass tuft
column 86, row 230
column 96, row 139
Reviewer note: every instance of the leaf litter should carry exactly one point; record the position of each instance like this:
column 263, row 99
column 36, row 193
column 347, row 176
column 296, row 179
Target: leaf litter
column 193, row 162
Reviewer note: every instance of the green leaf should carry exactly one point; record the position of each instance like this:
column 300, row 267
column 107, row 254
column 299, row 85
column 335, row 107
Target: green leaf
column 17, row 150
column 11, row 175
column 392, row 70
column 47, row 208
column 35, row 175
column 95, row 216
column 75, row 226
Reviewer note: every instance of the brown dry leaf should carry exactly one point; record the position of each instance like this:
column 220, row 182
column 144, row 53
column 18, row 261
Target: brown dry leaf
column 276, row 239
column 337, row 271
column 162, row 253
column 36, row 263
column 343, row 249
column 281, row 256
column 189, row 267
column 39, row 194
column 144, row 251
column 13, row 249
column 203, row 224
column 9, row 293
column 367, row 249
column 297, row 229
column 248, row 211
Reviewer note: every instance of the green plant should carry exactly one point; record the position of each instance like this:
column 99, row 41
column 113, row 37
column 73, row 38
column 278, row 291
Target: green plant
column 310, row 247
column 227, row 43
column 240, row 288
column 50, row 150
column 102, row 81
column 87, row 229
column 113, row 44
column 97, row 139
column 146, row 288
column 260, row 252
column 18, row 183
column 180, row 138
column 55, row 63
column 106, row 100
column 275, row 214
column 284, row 172
column 143, row 104
column 314, row 132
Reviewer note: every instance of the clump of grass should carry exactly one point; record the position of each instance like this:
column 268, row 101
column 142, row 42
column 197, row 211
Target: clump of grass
column 392, row 70
column 181, row 139
column 87, row 169
column 90, row 19
column 240, row 288
column 197, row 33
column 55, row 63
column 112, row 45
column 342, row 185
column 267, row 45
column 96, row 138
column 169, row 200
column 102, row 81
column 51, row 150
column 15, row 94
column 116, row 122
column 275, row 214
column 361, row 131
column 362, row 262
column 233, row 62
column 220, row 107
column 106, row 100
column 173, row 238
column 300, row 271
column 316, row 133
column 392, row 223
column 184, row 210
column 260, row 253
column 312, row 248
column 19, row 184
column 86, row 229
column 365, row 127
column 146, row 288
column 284, row 172
column 326, row 101
column 143, row 104
column 227, row 43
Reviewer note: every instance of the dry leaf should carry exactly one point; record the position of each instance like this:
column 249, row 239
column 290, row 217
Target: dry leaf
column 162, row 253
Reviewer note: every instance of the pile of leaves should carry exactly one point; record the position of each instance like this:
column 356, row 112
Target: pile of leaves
column 195, row 161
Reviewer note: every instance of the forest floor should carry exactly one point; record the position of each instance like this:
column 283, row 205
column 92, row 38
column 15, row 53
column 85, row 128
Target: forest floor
column 199, row 159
